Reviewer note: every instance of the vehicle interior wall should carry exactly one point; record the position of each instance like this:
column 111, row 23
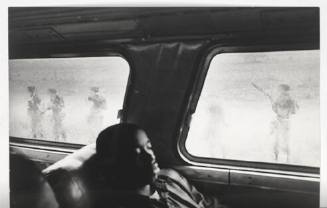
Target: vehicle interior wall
column 156, row 99
column 165, row 63
column 162, row 80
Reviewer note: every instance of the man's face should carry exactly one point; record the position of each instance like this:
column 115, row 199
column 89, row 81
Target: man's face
column 146, row 166
column 130, row 162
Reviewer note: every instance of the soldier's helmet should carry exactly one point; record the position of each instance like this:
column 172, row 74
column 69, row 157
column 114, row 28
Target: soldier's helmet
column 284, row 87
column 31, row 89
column 52, row 91
column 95, row 89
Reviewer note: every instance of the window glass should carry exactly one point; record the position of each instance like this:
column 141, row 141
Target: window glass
column 261, row 107
column 65, row 99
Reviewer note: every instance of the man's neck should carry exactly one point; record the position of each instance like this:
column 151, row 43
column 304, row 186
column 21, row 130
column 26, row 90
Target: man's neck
column 145, row 190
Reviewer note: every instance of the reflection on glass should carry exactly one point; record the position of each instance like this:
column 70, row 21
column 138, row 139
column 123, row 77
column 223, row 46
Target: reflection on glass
column 260, row 107
column 66, row 99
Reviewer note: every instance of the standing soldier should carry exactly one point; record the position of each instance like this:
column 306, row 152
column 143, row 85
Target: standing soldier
column 216, row 125
column 283, row 106
column 99, row 104
column 56, row 106
column 34, row 112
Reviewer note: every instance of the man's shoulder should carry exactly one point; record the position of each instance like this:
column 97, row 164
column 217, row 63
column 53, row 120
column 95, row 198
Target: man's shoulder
column 169, row 172
column 172, row 174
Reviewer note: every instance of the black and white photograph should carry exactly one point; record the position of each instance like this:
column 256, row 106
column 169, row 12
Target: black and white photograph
column 164, row 106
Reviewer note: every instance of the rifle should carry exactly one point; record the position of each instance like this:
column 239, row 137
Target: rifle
column 263, row 91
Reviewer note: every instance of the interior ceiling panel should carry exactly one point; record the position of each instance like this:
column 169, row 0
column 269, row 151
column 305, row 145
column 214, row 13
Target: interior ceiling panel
column 290, row 18
column 100, row 30
column 112, row 24
column 236, row 21
column 23, row 17
column 180, row 24
column 36, row 35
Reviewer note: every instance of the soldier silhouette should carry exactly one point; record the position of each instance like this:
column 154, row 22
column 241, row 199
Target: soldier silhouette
column 34, row 112
column 56, row 106
column 283, row 106
column 95, row 118
column 215, row 127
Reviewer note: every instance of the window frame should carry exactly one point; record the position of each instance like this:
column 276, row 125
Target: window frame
column 68, row 147
column 193, row 97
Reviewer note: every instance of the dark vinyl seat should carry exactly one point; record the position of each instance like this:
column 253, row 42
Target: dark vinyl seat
column 76, row 181
column 70, row 188
column 28, row 187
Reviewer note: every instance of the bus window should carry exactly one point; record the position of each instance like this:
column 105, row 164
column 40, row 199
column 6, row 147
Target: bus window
column 65, row 99
column 259, row 107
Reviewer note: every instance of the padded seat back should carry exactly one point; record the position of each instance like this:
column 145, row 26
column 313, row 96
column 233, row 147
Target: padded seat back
column 74, row 179
column 70, row 188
